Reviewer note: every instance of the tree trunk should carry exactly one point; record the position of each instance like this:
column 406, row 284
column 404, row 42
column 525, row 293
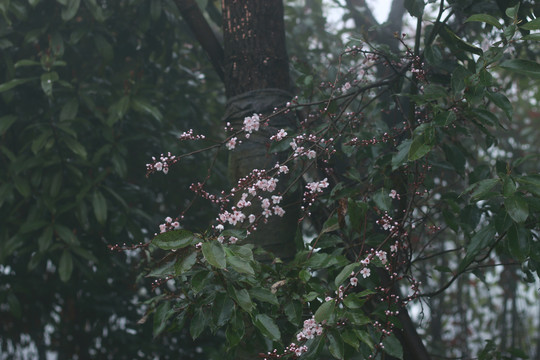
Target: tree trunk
column 257, row 81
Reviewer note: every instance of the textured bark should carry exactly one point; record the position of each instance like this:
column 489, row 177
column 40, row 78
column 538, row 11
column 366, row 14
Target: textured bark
column 254, row 41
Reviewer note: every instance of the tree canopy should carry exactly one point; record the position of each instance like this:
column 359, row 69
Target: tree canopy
column 315, row 188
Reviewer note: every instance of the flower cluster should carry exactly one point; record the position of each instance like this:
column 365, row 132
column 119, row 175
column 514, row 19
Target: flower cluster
column 169, row 225
column 388, row 224
column 251, row 123
column 279, row 136
column 161, row 164
column 393, row 194
column 310, row 330
column 188, row 135
column 317, row 186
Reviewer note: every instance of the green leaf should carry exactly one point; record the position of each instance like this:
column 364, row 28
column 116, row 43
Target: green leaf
column 236, row 329
column 104, row 48
column 517, row 208
column 267, row 327
column 241, row 234
column 482, row 188
column 419, row 148
column 240, row 265
column 531, row 25
column 75, row 146
column 522, row 66
column 95, row 9
column 198, row 322
column 533, row 37
column 185, row 264
column 482, row 240
column 163, row 270
column 382, row 199
column 364, row 337
column 143, row 106
column 485, row 18
column 402, row 155
column 99, row 203
column 5, row 123
column 519, row 242
column 349, row 337
column 502, row 102
column 26, row 62
column 434, row 92
column 46, row 238
column 393, row 347
column 512, row 12
column 47, row 80
column 12, row 83
column 325, row 311
column 353, row 301
column 345, row 273
column 175, row 239
column 118, row 110
column 335, row 344
column 69, row 110
column 161, row 315
column 415, row 7
column 263, row 294
column 214, row 254
column 65, row 234
column 222, row 309
column 65, row 267
column 293, row 311
column 459, row 75
column 69, row 11
column 457, row 44
column 243, row 299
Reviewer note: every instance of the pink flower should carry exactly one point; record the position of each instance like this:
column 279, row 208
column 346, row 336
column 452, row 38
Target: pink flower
column 231, row 144
column 354, row 281
column 278, row 210
column 251, row 124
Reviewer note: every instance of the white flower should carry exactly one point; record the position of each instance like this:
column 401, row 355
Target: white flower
column 365, row 272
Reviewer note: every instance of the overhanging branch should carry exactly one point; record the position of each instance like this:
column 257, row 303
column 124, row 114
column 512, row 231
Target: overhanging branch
column 203, row 33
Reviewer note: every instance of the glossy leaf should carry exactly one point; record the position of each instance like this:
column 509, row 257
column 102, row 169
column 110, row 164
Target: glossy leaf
column 485, row 18
column 243, row 299
column 325, row 311
column 523, row 67
column 267, row 327
column 185, row 264
column 264, row 295
column 214, row 254
column 222, row 309
column 174, row 239
column 393, row 347
column 517, row 208
column 240, row 265
column 482, row 240
column 336, row 345
column 519, row 242
column 162, row 313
